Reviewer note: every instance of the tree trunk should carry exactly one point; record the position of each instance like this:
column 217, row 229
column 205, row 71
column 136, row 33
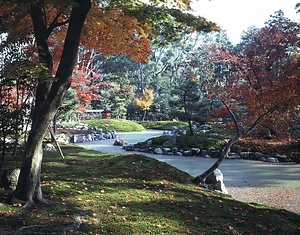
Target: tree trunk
column 239, row 133
column 190, row 126
column 144, row 115
column 29, row 183
column 201, row 178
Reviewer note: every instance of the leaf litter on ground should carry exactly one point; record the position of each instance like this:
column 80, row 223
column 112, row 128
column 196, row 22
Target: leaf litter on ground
column 134, row 194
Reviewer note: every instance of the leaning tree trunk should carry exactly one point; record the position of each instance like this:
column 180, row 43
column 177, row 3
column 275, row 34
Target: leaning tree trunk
column 201, row 178
column 239, row 133
column 29, row 183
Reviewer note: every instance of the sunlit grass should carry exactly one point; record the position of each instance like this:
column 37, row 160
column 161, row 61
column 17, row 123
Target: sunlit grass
column 119, row 125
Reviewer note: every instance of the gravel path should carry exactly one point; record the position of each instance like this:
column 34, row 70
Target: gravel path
column 275, row 185
column 277, row 197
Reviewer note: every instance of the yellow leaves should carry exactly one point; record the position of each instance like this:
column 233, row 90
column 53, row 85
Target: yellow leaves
column 146, row 100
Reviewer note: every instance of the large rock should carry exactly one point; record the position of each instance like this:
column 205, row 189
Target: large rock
column 62, row 138
column 195, row 151
column 257, row 156
column 234, row 156
column 9, row 179
column 215, row 153
column 210, row 150
column 158, row 151
column 129, row 147
column 214, row 181
column 205, row 127
column 282, row 158
column 166, row 150
column 187, row 153
column 245, row 155
column 170, row 143
column 174, row 150
column 203, row 153
column 272, row 160
column 49, row 147
column 120, row 142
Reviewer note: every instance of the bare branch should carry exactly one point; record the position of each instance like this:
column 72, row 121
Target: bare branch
column 259, row 120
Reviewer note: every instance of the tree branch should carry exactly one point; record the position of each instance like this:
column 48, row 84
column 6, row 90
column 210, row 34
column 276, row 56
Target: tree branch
column 55, row 24
column 259, row 120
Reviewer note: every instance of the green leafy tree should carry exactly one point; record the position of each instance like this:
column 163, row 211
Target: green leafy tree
column 67, row 111
column 187, row 101
column 115, row 97
column 16, row 81
column 164, row 71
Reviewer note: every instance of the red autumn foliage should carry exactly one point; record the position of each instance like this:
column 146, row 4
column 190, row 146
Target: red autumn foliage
column 263, row 79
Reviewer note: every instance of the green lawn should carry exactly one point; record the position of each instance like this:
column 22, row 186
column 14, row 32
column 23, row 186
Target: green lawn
column 119, row 125
column 133, row 194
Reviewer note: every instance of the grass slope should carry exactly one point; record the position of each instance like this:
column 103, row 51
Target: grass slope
column 133, row 194
column 119, row 125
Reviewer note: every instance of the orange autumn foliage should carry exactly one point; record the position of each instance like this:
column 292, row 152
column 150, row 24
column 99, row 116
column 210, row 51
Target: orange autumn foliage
column 113, row 32
column 107, row 31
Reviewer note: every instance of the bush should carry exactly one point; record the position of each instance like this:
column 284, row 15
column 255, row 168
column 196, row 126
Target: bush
column 119, row 125
column 164, row 125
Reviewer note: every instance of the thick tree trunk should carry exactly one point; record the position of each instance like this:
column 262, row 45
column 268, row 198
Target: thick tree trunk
column 47, row 103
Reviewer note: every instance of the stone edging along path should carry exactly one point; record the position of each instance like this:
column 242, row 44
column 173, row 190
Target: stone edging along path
column 209, row 153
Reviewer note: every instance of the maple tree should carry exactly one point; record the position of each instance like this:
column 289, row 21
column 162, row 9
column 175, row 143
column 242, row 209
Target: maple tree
column 86, row 89
column 145, row 101
column 261, row 84
column 112, row 27
column 84, row 75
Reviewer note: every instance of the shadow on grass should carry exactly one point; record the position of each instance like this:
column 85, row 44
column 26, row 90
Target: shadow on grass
column 125, row 194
